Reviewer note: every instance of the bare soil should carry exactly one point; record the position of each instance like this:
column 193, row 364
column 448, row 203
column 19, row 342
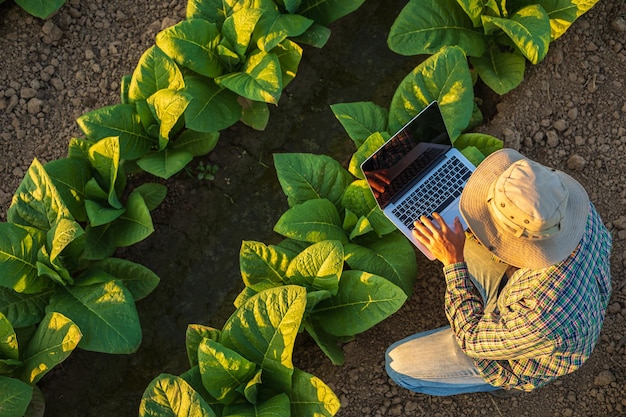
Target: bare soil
column 568, row 113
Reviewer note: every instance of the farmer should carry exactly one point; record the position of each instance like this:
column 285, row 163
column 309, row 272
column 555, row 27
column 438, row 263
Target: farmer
column 526, row 291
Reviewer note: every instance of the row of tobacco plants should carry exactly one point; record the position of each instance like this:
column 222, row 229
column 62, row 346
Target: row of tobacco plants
column 341, row 268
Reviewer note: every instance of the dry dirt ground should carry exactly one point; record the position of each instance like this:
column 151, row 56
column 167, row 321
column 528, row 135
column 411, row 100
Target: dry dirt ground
column 568, row 113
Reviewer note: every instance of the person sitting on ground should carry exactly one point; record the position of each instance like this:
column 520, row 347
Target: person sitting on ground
column 526, row 288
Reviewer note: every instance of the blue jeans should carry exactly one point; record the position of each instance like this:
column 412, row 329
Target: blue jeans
column 432, row 362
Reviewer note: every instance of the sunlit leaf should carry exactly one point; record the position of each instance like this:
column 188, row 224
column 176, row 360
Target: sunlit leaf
column 427, row 26
column 259, row 263
column 55, row 339
column 18, row 257
column 193, row 43
column 361, row 119
column 391, row 257
column 307, row 176
column 213, row 108
column 105, row 313
column 318, row 267
column 155, row 71
column 310, row 396
column 223, row 370
column 276, row 314
column 444, row 77
column 260, row 78
column 120, row 120
column 312, row 221
column 171, row 396
column 528, row 28
column 363, row 300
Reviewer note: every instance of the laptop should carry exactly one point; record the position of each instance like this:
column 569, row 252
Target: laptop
column 418, row 172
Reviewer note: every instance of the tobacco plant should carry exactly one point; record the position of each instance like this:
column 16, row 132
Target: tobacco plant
column 356, row 267
column 498, row 36
column 60, row 287
column 445, row 77
column 246, row 368
column 224, row 63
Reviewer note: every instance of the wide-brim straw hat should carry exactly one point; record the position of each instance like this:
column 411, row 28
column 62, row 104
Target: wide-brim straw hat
column 526, row 214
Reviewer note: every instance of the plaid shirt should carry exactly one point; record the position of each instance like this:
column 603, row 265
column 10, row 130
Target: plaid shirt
column 547, row 321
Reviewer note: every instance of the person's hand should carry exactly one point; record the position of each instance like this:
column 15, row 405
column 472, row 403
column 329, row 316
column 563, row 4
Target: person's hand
column 444, row 242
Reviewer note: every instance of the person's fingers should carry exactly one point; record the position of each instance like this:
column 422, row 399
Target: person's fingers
column 441, row 222
column 458, row 226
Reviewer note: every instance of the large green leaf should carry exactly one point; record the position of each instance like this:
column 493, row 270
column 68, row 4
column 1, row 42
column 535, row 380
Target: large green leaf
column 155, row 71
column 215, row 11
column 264, row 330
column 327, row 343
column 105, row 158
column 105, row 313
column 37, row 202
column 166, row 163
column 195, row 143
column 40, row 8
column 528, row 28
column 444, row 77
column 563, row 13
column 363, row 301
column 361, row 119
column 55, row 339
column 327, row 11
column 8, row 340
column 238, row 29
column 169, row 106
column 132, row 227
column 171, row 396
column 153, row 194
column 273, row 28
column 310, row 396
column 18, row 258
column 487, row 144
column 317, row 36
column 318, row 267
column 223, row 370
column 259, row 263
column 274, row 407
column 194, row 335
column 364, row 151
column 70, row 176
column 120, row 120
column 256, row 114
column 15, row 396
column 305, row 177
column 23, row 310
column 391, row 257
column 289, row 55
column 312, row 221
column 427, row 26
column 193, row 44
column 501, row 71
column 212, row 108
column 260, row 78
column 139, row 280
column 359, row 199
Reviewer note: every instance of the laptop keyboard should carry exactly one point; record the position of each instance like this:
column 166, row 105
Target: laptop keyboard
column 442, row 187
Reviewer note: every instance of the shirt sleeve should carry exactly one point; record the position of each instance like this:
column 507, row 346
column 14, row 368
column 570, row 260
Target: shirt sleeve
column 514, row 334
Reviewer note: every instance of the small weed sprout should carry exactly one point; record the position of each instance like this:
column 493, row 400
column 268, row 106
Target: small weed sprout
column 206, row 171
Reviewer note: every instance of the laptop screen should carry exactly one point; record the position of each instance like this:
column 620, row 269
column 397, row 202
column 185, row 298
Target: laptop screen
column 408, row 155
